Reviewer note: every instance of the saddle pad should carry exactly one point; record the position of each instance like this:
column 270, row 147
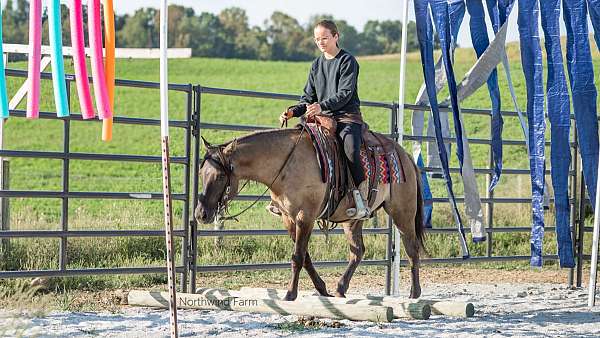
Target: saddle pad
column 380, row 166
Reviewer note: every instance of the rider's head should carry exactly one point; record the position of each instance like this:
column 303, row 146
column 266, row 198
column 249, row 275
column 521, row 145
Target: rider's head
column 326, row 36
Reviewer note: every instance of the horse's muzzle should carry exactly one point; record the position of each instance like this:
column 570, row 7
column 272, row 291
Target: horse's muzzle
column 204, row 215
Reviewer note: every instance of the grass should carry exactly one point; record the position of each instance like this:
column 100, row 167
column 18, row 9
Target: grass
column 378, row 82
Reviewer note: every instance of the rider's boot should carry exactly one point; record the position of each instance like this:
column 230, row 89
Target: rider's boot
column 361, row 211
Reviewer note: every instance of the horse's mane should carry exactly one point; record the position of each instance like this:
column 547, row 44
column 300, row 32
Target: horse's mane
column 259, row 133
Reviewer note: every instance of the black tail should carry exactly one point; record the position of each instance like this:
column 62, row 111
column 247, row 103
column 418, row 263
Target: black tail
column 419, row 222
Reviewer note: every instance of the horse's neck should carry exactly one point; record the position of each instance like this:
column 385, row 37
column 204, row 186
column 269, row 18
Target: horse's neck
column 260, row 156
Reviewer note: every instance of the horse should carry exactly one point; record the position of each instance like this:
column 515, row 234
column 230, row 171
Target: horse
column 285, row 161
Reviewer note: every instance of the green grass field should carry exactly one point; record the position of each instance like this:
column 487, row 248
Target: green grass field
column 378, row 82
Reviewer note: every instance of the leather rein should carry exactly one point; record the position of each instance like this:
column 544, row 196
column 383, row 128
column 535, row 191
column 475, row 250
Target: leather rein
column 223, row 203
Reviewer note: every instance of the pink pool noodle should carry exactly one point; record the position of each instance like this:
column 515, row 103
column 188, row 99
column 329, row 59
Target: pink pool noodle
column 81, row 74
column 35, row 55
column 95, row 36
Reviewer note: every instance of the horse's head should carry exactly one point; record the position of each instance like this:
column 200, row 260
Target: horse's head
column 219, row 183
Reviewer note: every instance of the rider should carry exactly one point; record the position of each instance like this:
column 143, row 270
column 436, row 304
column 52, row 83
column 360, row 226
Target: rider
column 331, row 90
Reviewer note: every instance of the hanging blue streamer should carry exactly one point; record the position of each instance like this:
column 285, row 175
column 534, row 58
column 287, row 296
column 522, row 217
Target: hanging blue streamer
column 583, row 89
column 560, row 122
column 441, row 19
column 427, row 197
column 531, row 59
column 479, row 37
column 504, row 9
column 594, row 9
column 425, row 36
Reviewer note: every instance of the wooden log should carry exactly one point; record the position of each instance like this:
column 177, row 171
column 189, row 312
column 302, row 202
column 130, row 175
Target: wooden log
column 438, row 307
column 413, row 310
column 216, row 301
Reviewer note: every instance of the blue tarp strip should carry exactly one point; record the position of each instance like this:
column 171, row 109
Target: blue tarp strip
column 425, row 36
column 583, row 89
column 531, row 59
column 479, row 37
column 427, row 197
column 559, row 114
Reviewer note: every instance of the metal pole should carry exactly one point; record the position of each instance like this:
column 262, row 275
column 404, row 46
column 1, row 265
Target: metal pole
column 389, row 252
column 489, row 207
column 4, row 207
column 4, row 243
column 581, row 228
column 594, row 267
column 573, row 218
column 62, row 260
column 186, row 188
column 404, row 42
column 193, row 225
column 164, row 126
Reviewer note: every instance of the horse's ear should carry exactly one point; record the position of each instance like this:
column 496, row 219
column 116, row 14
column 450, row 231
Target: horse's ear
column 234, row 143
column 205, row 143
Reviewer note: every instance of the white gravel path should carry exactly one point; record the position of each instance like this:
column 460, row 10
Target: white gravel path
column 502, row 310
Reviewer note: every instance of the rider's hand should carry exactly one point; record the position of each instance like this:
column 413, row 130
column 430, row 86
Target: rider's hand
column 286, row 115
column 313, row 109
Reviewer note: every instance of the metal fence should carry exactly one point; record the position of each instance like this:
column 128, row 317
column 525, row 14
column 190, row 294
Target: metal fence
column 577, row 197
column 66, row 194
column 193, row 126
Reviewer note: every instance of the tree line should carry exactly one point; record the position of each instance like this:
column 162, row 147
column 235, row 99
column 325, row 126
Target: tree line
column 226, row 34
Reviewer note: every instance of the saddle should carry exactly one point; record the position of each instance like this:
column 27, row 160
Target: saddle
column 378, row 154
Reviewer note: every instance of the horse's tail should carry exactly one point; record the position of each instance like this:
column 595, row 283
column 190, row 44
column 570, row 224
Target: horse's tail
column 419, row 222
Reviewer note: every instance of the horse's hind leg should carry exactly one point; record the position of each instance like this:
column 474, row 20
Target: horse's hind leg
column 353, row 232
column 319, row 284
column 405, row 222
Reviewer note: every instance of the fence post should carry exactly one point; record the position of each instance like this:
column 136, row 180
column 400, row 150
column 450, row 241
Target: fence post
column 4, row 171
column 4, row 207
column 573, row 202
column 62, row 258
column 186, row 188
column 489, row 206
column 390, row 251
column 193, row 224
column 581, row 228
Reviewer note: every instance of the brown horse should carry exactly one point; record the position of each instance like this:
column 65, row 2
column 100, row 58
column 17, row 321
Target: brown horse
column 285, row 161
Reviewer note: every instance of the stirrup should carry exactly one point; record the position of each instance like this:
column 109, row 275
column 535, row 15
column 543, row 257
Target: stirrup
column 361, row 212
column 273, row 209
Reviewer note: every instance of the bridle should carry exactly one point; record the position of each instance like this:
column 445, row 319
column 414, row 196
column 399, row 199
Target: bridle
column 227, row 167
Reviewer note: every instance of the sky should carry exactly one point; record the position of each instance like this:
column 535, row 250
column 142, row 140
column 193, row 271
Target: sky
column 355, row 12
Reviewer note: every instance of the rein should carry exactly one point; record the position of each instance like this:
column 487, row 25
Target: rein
column 223, row 207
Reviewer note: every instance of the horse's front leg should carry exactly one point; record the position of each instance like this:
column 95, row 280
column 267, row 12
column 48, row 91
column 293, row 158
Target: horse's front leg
column 318, row 282
column 353, row 232
column 303, row 231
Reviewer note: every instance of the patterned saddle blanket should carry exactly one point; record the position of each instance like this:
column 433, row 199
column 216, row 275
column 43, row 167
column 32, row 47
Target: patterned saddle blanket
column 379, row 160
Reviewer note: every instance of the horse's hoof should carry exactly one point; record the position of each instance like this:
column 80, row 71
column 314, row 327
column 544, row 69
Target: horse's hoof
column 340, row 294
column 414, row 294
column 325, row 294
column 290, row 296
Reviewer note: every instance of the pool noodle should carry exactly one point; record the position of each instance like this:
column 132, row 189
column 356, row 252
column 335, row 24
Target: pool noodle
column 109, row 64
column 35, row 55
column 79, row 60
column 58, row 67
column 98, row 75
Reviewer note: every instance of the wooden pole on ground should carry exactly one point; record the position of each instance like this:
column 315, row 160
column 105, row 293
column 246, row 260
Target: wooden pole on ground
column 438, row 307
column 218, row 301
column 412, row 310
